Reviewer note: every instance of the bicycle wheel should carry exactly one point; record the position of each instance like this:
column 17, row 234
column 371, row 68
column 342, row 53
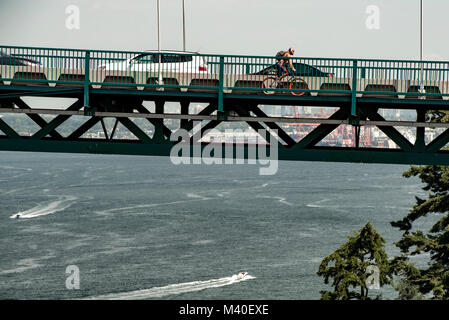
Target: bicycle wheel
column 269, row 83
column 296, row 83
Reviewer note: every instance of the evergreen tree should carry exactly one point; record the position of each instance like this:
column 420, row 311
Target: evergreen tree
column 434, row 278
column 408, row 291
column 346, row 268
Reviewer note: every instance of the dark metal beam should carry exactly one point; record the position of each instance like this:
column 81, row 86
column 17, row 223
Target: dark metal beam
column 159, row 123
column 210, row 125
column 134, row 129
column 166, row 131
column 56, row 122
column 36, row 118
column 320, row 132
column 145, row 114
column 84, row 128
column 256, row 126
column 272, row 125
column 305, row 149
column 206, row 111
column 420, row 144
column 104, row 129
column 313, row 154
column 8, row 130
column 390, row 131
column 439, row 142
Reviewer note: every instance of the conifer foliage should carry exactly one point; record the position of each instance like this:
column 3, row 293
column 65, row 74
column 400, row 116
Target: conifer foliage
column 346, row 269
column 432, row 279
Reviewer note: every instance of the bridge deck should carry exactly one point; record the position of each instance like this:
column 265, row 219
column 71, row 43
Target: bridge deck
column 119, row 69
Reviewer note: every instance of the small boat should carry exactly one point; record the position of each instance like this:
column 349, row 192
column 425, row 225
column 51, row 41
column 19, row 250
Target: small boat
column 241, row 275
column 17, row 216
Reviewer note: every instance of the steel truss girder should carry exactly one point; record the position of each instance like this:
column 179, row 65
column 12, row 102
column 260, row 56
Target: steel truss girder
column 321, row 131
column 202, row 116
column 272, row 125
column 159, row 144
column 56, row 122
column 35, row 117
column 389, row 131
column 8, row 130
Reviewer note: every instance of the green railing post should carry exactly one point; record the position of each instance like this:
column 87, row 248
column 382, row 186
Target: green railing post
column 220, row 85
column 88, row 111
column 220, row 88
column 354, row 89
column 86, row 78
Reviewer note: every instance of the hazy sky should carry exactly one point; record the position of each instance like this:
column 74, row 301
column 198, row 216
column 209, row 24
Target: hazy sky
column 316, row 28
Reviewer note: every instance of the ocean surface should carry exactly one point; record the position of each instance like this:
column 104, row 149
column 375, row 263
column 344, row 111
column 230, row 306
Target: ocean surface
column 142, row 228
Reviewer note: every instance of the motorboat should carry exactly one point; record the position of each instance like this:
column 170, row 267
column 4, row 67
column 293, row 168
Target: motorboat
column 241, row 275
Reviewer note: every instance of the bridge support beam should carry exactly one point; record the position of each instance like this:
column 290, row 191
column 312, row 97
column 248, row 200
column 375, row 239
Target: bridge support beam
column 123, row 107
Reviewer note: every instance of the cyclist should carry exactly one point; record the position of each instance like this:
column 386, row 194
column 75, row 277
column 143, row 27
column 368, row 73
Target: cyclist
column 283, row 64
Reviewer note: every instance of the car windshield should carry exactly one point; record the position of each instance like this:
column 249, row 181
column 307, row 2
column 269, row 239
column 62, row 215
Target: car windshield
column 166, row 58
column 174, row 58
column 146, row 58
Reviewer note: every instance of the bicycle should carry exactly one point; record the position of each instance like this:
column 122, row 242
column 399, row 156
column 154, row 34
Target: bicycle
column 274, row 81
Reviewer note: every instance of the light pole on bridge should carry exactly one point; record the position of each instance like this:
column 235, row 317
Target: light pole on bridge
column 159, row 26
column 159, row 34
column 159, row 41
column 183, row 25
column 421, row 53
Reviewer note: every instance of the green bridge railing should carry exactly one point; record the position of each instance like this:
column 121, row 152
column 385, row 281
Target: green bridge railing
column 180, row 71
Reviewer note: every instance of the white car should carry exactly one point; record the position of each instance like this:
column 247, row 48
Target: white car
column 171, row 61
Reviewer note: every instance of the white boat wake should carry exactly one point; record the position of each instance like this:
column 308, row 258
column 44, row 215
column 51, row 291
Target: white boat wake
column 318, row 204
column 280, row 199
column 192, row 197
column 158, row 292
column 337, row 207
column 45, row 208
